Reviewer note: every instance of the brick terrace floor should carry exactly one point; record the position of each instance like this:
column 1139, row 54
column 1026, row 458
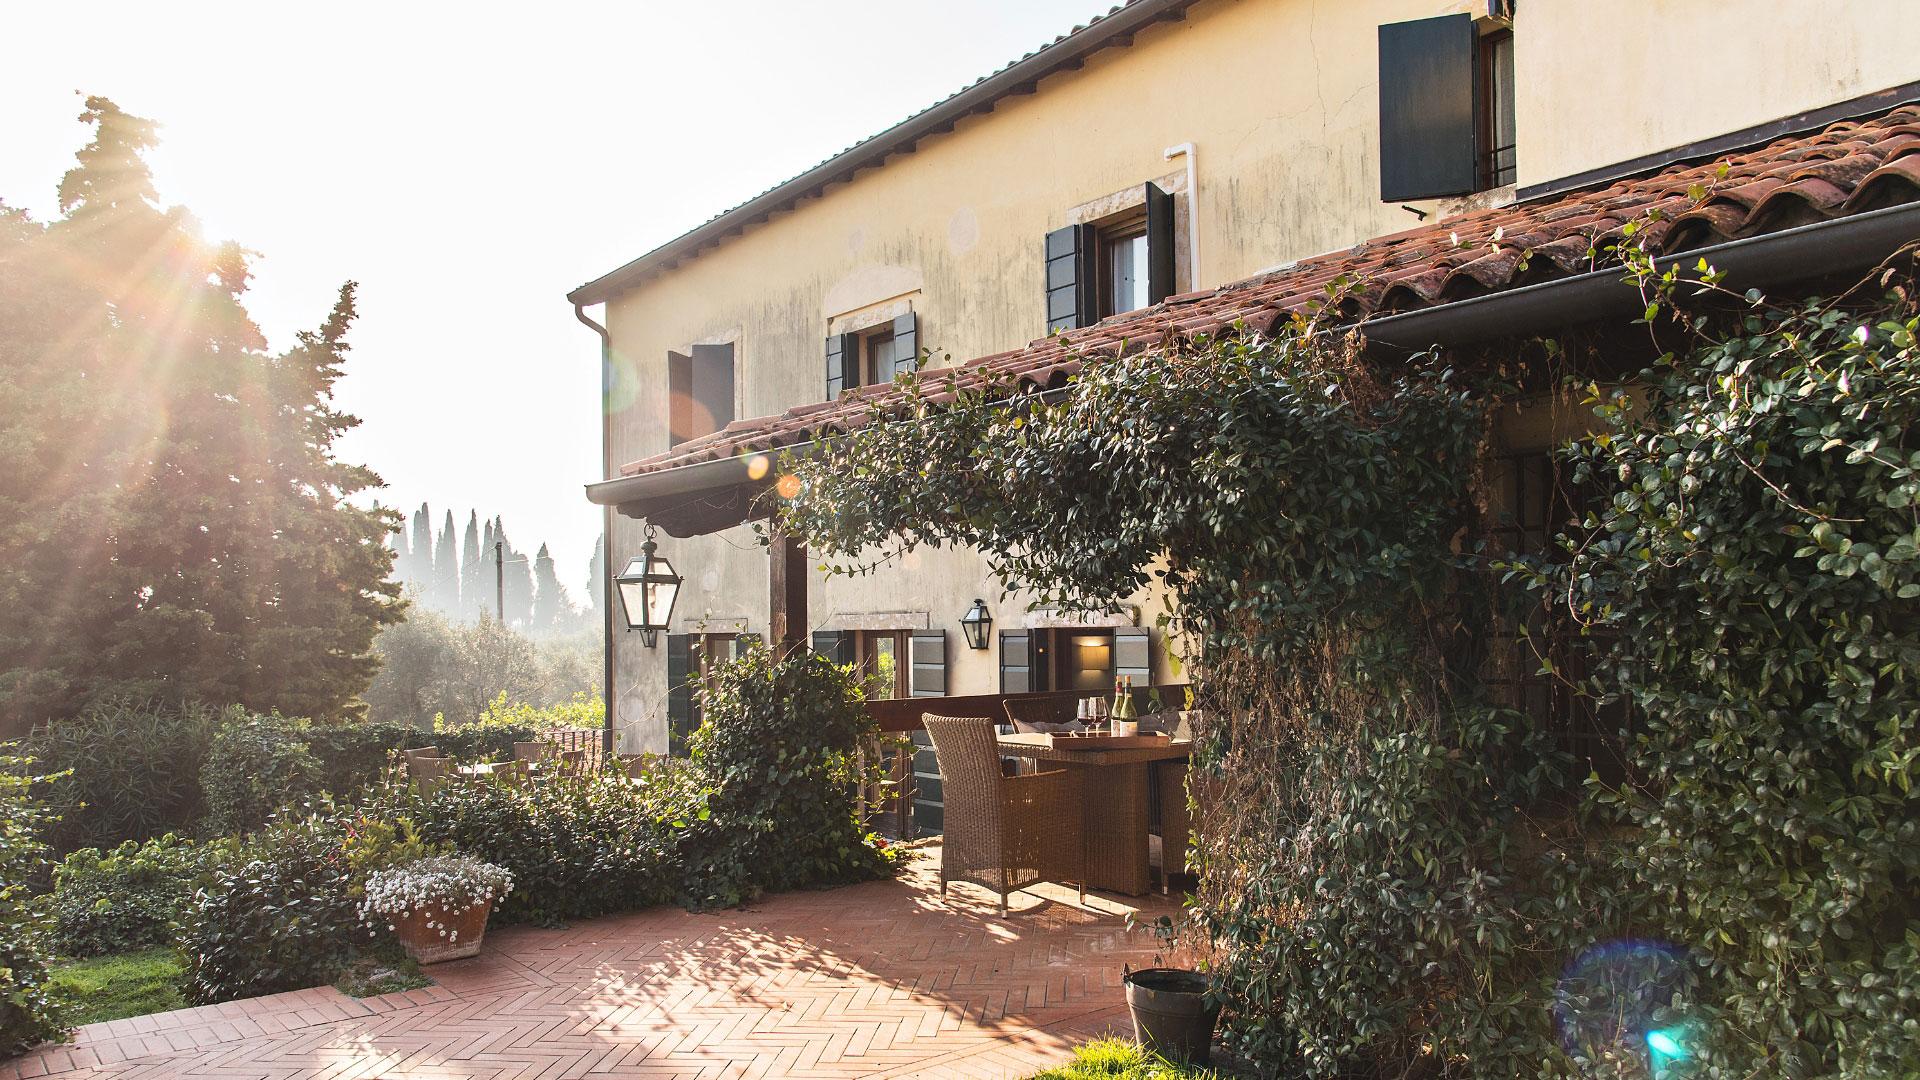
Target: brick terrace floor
column 882, row 979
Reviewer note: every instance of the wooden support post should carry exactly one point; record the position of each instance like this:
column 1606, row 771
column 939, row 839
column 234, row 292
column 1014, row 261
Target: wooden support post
column 787, row 578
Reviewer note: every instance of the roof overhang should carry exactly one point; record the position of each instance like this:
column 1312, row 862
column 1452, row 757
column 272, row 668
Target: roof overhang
column 702, row 497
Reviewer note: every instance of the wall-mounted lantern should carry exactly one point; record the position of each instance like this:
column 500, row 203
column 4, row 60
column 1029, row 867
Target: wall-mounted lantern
column 976, row 624
column 648, row 587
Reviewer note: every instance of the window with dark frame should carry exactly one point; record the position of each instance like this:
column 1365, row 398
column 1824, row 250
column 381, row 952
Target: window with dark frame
column 1495, row 107
column 1447, row 95
column 1122, row 261
column 878, row 359
column 883, row 651
column 1540, row 655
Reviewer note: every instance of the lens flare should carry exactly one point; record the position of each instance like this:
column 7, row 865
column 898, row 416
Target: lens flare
column 1618, row 1000
column 788, row 486
column 758, row 466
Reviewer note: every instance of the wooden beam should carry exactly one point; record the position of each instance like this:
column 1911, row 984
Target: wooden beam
column 787, row 583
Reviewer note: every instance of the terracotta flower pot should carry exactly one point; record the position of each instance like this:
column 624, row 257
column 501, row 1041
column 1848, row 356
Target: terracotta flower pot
column 431, row 934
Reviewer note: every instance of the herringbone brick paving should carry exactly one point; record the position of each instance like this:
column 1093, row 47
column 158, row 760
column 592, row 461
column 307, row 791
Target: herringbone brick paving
column 884, row 979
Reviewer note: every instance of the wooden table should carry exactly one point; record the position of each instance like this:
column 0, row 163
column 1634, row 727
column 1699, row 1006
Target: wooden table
column 1115, row 783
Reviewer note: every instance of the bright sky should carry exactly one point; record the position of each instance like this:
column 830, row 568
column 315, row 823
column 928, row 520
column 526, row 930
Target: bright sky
column 468, row 164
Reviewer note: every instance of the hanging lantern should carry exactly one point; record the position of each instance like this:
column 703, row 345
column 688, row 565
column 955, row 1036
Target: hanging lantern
column 648, row 587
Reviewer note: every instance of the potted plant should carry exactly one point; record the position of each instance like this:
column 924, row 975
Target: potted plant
column 437, row 906
column 1172, row 1009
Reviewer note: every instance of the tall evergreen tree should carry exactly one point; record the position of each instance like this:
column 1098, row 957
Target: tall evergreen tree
column 473, row 581
column 551, row 607
column 519, row 575
column 597, row 582
column 173, row 521
column 420, row 575
column 446, row 571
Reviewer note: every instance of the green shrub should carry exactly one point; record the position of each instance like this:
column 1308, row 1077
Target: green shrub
column 1752, row 575
column 30, row 1009
column 576, row 846
column 262, row 764
column 777, row 749
column 135, row 771
column 257, row 766
column 129, row 898
column 277, row 913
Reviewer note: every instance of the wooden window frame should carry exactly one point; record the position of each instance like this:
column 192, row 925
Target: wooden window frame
column 1486, row 97
column 1125, row 227
column 866, row 656
column 872, row 372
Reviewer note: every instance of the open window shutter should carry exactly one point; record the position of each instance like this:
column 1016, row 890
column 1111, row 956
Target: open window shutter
column 712, row 387
column 843, row 364
column 1133, row 654
column 679, row 692
column 928, row 677
column 1070, row 278
column 679, row 398
column 1427, row 129
column 1159, row 244
column 835, row 645
column 1016, row 662
column 906, row 343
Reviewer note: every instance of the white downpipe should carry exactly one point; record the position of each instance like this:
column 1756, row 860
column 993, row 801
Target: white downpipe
column 1193, row 210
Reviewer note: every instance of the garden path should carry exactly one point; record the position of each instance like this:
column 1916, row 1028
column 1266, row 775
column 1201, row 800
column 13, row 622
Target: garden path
column 883, row 979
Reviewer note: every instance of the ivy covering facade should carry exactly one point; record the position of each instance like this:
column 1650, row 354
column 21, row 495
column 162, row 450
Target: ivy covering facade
column 1401, row 876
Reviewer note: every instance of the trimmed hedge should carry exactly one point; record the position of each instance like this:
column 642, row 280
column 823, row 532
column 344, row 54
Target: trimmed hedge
column 135, row 769
column 29, row 1011
column 129, row 898
column 259, row 765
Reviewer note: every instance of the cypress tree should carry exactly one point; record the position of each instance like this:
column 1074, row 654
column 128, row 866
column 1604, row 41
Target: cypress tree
column 420, row 575
column 550, row 603
column 446, row 571
column 473, row 582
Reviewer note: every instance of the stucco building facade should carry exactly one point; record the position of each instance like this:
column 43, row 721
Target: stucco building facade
column 1167, row 148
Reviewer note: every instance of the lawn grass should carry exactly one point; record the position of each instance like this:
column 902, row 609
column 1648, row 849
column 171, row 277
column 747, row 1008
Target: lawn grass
column 1119, row 1059
column 123, row 984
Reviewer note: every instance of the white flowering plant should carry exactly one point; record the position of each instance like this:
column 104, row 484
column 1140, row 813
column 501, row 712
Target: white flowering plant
column 452, row 883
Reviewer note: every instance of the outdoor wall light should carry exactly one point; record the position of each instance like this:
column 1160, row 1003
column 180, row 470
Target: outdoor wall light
column 648, row 587
column 975, row 624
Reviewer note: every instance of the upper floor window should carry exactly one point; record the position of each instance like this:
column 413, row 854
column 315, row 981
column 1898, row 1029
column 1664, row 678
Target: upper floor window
column 699, row 391
column 1446, row 107
column 873, row 355
column 1123, row 261
column 1114, row 265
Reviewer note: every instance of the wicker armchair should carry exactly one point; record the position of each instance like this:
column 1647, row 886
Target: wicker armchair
column 533, row 751
column 1004, row 832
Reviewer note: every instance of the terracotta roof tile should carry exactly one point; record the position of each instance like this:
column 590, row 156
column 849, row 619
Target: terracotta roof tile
column 1846, row 168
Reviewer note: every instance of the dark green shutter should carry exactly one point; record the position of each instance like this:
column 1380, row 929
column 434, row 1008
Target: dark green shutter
column 835, row 645
column 843, row 364
column 927, row 650
column 1071, row 278
column 1160, row 233
column 1133, row 654
column 712, row 388
column 906, row 344
column 1016, row 662
column 680, row 670
column 679, row 398
column 1427, row 123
